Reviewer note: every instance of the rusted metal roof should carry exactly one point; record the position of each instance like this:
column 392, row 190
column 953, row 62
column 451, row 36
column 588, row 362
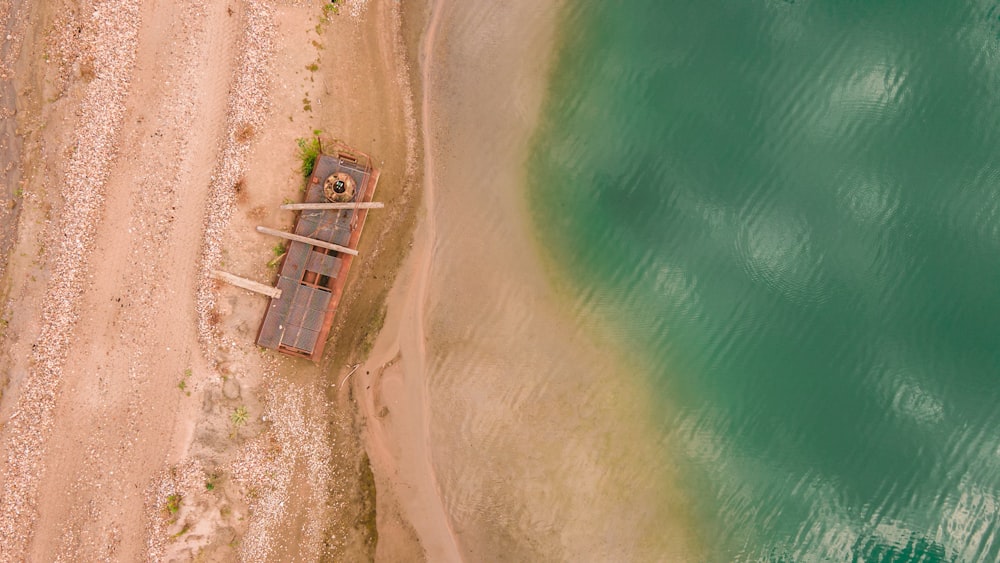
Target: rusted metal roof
column 312, row 278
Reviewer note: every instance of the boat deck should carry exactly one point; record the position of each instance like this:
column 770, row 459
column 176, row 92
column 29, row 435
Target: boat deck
column 312, row 278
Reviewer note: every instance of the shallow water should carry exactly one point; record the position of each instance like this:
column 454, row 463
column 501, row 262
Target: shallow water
column 544, row 449
column 791, row 211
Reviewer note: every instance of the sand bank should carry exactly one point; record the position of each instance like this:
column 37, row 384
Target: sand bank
column 488, row 400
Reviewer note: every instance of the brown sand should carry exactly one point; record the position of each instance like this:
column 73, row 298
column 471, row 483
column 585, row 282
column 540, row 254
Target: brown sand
column 138, row 419
column 13, row 20
column 506, row 426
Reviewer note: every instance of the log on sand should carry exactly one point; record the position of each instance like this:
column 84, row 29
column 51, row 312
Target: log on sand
column 247, row 284
column 344, row 205
column 307, row 240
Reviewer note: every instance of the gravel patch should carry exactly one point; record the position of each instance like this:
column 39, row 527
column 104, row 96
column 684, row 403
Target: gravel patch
column 248, row 106
column 165, row 503
column 293, row 452
column 111, row 29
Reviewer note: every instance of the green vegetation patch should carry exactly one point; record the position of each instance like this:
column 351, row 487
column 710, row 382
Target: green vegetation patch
column 309, row 150
column 239, row 416
column 173, row 504
column 368, row 513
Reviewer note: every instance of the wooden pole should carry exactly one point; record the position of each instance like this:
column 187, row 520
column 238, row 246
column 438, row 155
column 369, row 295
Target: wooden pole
column 247, row 284
column 307, row 240
column 345, row 205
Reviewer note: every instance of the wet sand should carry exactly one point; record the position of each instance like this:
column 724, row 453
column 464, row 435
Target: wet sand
column 489, row 397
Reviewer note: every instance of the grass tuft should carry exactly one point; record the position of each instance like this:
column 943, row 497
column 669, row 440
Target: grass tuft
column 173, row 503
column 239, row 416
column 309, row 150
column 184, row 530
column 183, row 383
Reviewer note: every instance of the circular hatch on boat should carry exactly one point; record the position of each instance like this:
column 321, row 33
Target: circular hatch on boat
column 339, row 187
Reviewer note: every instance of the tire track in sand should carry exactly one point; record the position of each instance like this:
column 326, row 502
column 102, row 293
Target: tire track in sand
column 137, row 332
column 114, row 26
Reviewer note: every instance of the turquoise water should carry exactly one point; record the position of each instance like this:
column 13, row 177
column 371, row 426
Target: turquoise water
column 793, row 209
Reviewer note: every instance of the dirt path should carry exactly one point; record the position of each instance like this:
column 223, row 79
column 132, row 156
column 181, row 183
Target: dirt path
column 100, row 400
column 12, row 23
column 26, row 432
column 98, row 408
column 121, row 380
column 122, row 368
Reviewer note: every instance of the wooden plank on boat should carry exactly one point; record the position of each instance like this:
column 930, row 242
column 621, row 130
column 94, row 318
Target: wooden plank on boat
column 307, row 240
column 247, row 284
column 334, row 205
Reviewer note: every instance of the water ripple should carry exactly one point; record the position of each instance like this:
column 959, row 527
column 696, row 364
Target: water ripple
column 792, row 208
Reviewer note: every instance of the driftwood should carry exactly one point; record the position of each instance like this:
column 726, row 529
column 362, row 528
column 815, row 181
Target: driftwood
column 247, row 284
column 307, row 240
column 343, row 205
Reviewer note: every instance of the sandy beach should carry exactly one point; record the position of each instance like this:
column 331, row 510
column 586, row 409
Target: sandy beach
column 487, row 397
column 139, row 421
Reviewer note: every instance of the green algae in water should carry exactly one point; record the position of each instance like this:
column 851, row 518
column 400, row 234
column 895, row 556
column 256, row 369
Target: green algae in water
column 793, row 209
